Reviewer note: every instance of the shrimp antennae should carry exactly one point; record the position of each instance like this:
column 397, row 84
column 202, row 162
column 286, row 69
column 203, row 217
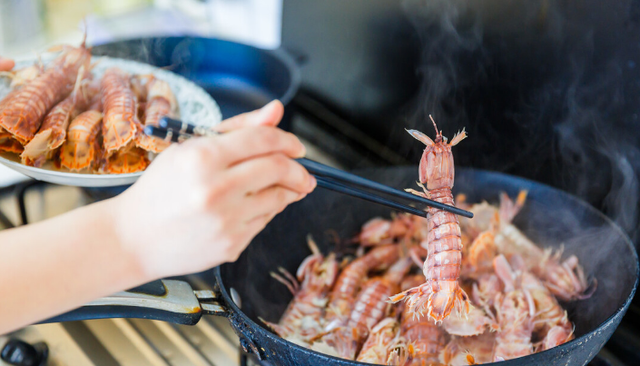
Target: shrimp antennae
column 438, row 133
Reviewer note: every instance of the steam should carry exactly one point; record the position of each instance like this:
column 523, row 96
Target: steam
column 448, row 40
column 598, row 157
column 540, row 92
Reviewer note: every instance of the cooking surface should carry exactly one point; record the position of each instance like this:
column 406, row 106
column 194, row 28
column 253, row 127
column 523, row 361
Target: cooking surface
column 210, row 342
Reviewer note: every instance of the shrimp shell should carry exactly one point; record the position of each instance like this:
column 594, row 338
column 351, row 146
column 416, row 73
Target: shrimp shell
column 126, row 160
column 120, row 111
column 348, row 284
column 81, row 149
column 379, row 231
column 22, row 112
column 315, row 276
column 370, row 307
column 555, row 337
column 461, row 351
column 474, row 323
column 425, row 340
column 377, row 346
column 23, row 76
column 565, row 279
column 160, row 102
column 514, row 311
column 549, row 313
column 441, row 293
column 8, row 143
column 514, row 337
column 53, row 131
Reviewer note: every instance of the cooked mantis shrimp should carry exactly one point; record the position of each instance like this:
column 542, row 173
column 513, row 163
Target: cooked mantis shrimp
column 514, row 284
column 381, row 339
column 121, row 122
column 22, row 112
column 515, row 310
column 302, row 320
column 9, row 144
column 441, row 293
column 342, row 298
column 159, row 102
column 82, row 147
column 53, row 131
column 369, row 308
column 424, row 339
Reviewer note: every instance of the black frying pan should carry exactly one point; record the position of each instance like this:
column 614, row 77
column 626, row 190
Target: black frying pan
column 550, row 216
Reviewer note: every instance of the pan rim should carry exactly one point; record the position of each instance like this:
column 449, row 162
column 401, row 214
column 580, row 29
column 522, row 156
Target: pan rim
column 279, row 53
column 577, row 341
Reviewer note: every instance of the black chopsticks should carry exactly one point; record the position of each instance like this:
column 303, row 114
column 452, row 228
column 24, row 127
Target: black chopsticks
column 329, row 178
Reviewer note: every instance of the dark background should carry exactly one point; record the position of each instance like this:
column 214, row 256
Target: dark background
column 547, row 90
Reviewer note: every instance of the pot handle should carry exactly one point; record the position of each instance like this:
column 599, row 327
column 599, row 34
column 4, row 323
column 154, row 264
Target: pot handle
column 166, row 300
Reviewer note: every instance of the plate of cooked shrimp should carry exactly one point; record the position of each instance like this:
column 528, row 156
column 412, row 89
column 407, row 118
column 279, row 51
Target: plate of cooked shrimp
column 78, row 120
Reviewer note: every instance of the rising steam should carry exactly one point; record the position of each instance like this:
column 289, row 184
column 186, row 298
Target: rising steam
column 541, row 92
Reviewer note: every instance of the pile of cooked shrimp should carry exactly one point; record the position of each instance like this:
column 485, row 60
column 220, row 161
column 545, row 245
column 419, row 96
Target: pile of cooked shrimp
column 513, row 286
column 486, row 292
column 64, row 115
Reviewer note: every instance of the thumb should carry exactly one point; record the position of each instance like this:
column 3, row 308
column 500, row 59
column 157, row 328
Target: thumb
column 269, row 115
column 6, row 64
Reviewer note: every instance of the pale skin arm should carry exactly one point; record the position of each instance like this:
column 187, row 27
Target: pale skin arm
column 197, row 206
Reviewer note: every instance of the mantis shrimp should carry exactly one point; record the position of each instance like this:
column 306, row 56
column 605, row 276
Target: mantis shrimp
column 369, row 308
column 381, row 339
column 441, row 293
column 53, row 131
column 314, row 278
column 82, row 147
column 341, row 299
column 121, row 122
column 22, row 112
column 160, row 102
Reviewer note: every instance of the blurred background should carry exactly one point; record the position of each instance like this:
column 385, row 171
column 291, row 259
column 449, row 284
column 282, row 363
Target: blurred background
column 28, row 26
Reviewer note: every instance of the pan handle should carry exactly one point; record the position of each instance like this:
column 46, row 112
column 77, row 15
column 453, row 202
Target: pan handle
column 166, row 300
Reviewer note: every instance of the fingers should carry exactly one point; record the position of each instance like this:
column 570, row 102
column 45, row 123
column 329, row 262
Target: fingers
column 251, row 142
column 6, row 64
column 271, row 201
column 256, row 225
column 271, row 170
column 269, row 115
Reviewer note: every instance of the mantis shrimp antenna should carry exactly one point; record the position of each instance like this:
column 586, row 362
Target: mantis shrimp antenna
column 438, row 133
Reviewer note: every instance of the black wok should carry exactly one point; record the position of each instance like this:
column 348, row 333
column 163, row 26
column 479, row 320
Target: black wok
column 550, row 216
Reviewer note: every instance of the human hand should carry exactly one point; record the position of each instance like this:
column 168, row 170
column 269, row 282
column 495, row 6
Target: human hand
column 6, row 64
column 200, row 203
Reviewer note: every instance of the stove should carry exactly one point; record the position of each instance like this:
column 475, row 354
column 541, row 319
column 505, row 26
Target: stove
column 211, row 342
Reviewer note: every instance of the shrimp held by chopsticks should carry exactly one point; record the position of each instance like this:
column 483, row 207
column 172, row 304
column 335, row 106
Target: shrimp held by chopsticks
column 441, row 293
column 160, row 102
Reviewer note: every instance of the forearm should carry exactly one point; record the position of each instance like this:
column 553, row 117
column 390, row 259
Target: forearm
column 57, row 265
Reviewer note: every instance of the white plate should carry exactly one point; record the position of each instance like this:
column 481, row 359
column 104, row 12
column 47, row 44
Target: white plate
column 196, row 107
